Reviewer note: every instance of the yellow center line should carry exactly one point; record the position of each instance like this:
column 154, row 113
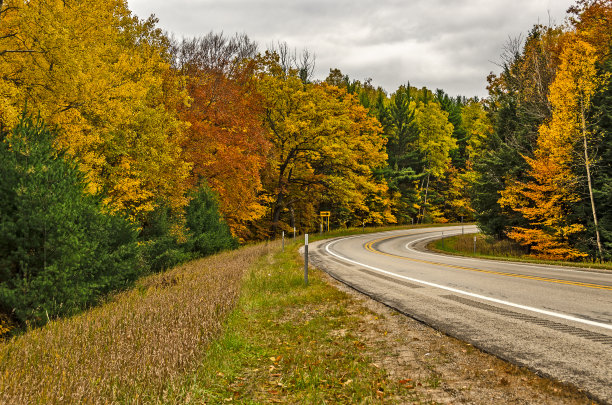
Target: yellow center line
column 370, row 247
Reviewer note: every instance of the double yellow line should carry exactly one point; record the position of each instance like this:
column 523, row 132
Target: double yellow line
column 370, row 247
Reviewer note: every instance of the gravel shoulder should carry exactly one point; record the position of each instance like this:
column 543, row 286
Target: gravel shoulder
column 444, row 369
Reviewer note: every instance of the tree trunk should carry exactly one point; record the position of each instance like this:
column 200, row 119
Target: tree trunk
column 278, row 207
column 425, row 202
column 588, row 171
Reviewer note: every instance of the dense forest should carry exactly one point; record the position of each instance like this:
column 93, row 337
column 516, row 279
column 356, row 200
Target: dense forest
column 124, row 151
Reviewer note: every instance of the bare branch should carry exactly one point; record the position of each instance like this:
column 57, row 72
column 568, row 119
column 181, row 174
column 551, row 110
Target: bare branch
column 16, row 51
column 8, row 35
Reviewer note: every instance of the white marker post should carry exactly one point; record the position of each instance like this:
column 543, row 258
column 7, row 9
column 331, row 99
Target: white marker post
column 283, row 241
column 294, row 233
column 306, row 259
column 474, row 245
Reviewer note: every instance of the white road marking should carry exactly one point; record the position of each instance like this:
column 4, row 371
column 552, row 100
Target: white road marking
column 549, row 267
column 455, row 290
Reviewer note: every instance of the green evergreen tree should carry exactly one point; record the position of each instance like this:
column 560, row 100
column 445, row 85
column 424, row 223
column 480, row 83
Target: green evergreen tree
column 601, row 120
column 208, row 232
column 59, row 250
column 453, row 107
column 403, row 134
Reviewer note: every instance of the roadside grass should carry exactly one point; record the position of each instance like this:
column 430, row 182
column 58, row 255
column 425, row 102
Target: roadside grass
column 490, row 248
column 324, row 343
column 290, row 343
column 134, row 347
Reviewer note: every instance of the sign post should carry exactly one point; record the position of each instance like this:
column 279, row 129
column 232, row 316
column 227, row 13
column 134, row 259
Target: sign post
column 325, row 214
column 306, row 259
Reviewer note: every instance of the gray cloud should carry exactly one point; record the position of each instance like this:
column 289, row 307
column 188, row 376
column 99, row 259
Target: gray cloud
column 448, row 44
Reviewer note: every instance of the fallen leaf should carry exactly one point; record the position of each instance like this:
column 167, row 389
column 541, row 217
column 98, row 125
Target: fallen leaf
column 405, row 380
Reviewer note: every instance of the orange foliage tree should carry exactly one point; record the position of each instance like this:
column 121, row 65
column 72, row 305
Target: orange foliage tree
column 225, row 142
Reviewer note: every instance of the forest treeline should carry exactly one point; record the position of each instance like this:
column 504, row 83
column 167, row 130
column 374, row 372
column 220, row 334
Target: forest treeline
column 124, row 150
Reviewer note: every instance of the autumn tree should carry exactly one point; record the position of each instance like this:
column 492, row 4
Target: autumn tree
column 324, row 146
column 101, row 75
column 546, row 200
column 601, row 119
column 225, row 143
column 590, row 46
column 517, row 106
column 435, row 142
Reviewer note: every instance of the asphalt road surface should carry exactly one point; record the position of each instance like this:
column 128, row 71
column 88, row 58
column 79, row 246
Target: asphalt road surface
column 554, row 320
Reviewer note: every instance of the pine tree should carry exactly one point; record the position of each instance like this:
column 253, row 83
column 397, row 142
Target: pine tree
column 58, row 250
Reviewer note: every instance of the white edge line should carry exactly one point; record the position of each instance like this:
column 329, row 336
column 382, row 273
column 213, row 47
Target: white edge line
column 548, row 267
column 482, row 297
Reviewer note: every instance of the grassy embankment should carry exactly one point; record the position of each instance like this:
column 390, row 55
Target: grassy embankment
column 489, row 248
column 241, row 326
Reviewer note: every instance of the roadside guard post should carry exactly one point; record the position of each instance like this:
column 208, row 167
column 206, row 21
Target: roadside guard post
column 283, row 241
column 306, row 259
column 474, row 244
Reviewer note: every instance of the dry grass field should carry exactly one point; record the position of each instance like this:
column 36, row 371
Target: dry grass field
column 133, row 347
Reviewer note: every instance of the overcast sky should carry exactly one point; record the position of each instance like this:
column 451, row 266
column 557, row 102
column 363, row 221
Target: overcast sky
column 448, row 44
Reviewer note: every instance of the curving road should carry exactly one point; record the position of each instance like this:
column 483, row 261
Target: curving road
column 554, row 320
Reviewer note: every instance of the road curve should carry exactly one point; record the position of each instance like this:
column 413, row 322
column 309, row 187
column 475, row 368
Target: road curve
column 554, row 320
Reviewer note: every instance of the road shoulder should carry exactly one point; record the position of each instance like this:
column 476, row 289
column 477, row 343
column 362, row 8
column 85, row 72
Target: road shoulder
column 445, row 369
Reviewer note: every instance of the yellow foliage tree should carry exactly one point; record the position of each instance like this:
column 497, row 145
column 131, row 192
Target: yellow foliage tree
column 101, row 75
column 435, row 141
column 545, row 201
column 325, row 147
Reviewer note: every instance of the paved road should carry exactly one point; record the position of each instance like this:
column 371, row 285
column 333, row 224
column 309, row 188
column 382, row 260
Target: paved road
column 554, row 320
